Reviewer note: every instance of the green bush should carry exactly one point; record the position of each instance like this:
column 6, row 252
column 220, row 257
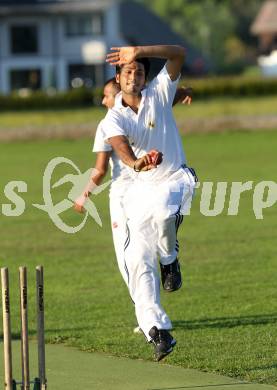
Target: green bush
column 81, row 97
column 41, row 100
column 231, row 86
column 97, row 96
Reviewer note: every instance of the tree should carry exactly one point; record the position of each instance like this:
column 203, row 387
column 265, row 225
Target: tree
column 219, row 28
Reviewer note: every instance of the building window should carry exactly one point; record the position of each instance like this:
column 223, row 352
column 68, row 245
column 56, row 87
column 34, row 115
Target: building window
column 84, row 25
column 30, row 79
column 88, row 76
column 98, row 24
column 24, row 39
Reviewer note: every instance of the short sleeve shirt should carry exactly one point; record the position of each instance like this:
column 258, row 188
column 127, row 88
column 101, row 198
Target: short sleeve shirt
column 152, row 127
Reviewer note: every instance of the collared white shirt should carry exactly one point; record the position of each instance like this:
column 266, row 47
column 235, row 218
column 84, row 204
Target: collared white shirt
column 153, row 127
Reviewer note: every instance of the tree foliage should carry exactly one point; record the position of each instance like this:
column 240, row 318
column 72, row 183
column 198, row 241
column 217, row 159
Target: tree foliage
column 218, row 28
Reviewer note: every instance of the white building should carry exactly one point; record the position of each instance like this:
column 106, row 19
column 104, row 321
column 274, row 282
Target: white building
column 62, row 43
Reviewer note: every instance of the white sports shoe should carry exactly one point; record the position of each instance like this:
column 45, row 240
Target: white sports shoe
column 137, row 330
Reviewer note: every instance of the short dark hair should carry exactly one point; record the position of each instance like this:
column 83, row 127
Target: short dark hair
column 110, row 81
column 113, row 82
column 144, row 61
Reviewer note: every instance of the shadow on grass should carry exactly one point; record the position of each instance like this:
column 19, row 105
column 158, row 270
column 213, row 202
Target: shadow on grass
column 226, row 322
column 49, row 330
column 199, row 386
column 218, row 322
column 17, row 336
column 272, row 366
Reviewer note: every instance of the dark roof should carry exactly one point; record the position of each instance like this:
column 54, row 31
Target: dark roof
column 140, row 26
column 25, row 2
column 8, row 7
column 266, row 20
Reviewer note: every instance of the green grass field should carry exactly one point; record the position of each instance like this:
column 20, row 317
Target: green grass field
column 224, row 317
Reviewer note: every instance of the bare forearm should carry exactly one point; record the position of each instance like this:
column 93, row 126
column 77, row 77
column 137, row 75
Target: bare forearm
column 183, row 95
column 123, row 149
column 97, row 178
column 177, row 97
column 175, row 56
column 169, row 52
column 101, row 167
column 97, row 175
column 150, row 160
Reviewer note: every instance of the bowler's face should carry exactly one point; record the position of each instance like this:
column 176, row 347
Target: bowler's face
column 131, row 78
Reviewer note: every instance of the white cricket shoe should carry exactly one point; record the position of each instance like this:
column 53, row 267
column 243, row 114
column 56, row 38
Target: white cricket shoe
column 137, row 330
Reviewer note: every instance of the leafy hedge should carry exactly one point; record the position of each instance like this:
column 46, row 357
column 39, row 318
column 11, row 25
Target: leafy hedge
column 203, row 88
column 41, row 100
column 231, row 86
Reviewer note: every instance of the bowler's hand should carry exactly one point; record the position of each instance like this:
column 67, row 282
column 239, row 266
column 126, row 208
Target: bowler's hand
column 156, row 156
column 149, row 161
column 121, row 55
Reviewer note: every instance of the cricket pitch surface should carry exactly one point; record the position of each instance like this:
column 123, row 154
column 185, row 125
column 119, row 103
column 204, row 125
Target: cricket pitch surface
column 71, row 369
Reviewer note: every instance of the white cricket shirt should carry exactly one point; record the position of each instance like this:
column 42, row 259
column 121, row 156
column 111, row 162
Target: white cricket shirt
column 153, row 127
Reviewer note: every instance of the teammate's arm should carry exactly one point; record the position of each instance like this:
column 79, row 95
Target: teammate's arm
column 101, row 166
column 175, row 56
column 183, row 95
column 98, row 173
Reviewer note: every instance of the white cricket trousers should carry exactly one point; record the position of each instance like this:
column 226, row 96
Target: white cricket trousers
column 118, row 224
column 152, row 210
